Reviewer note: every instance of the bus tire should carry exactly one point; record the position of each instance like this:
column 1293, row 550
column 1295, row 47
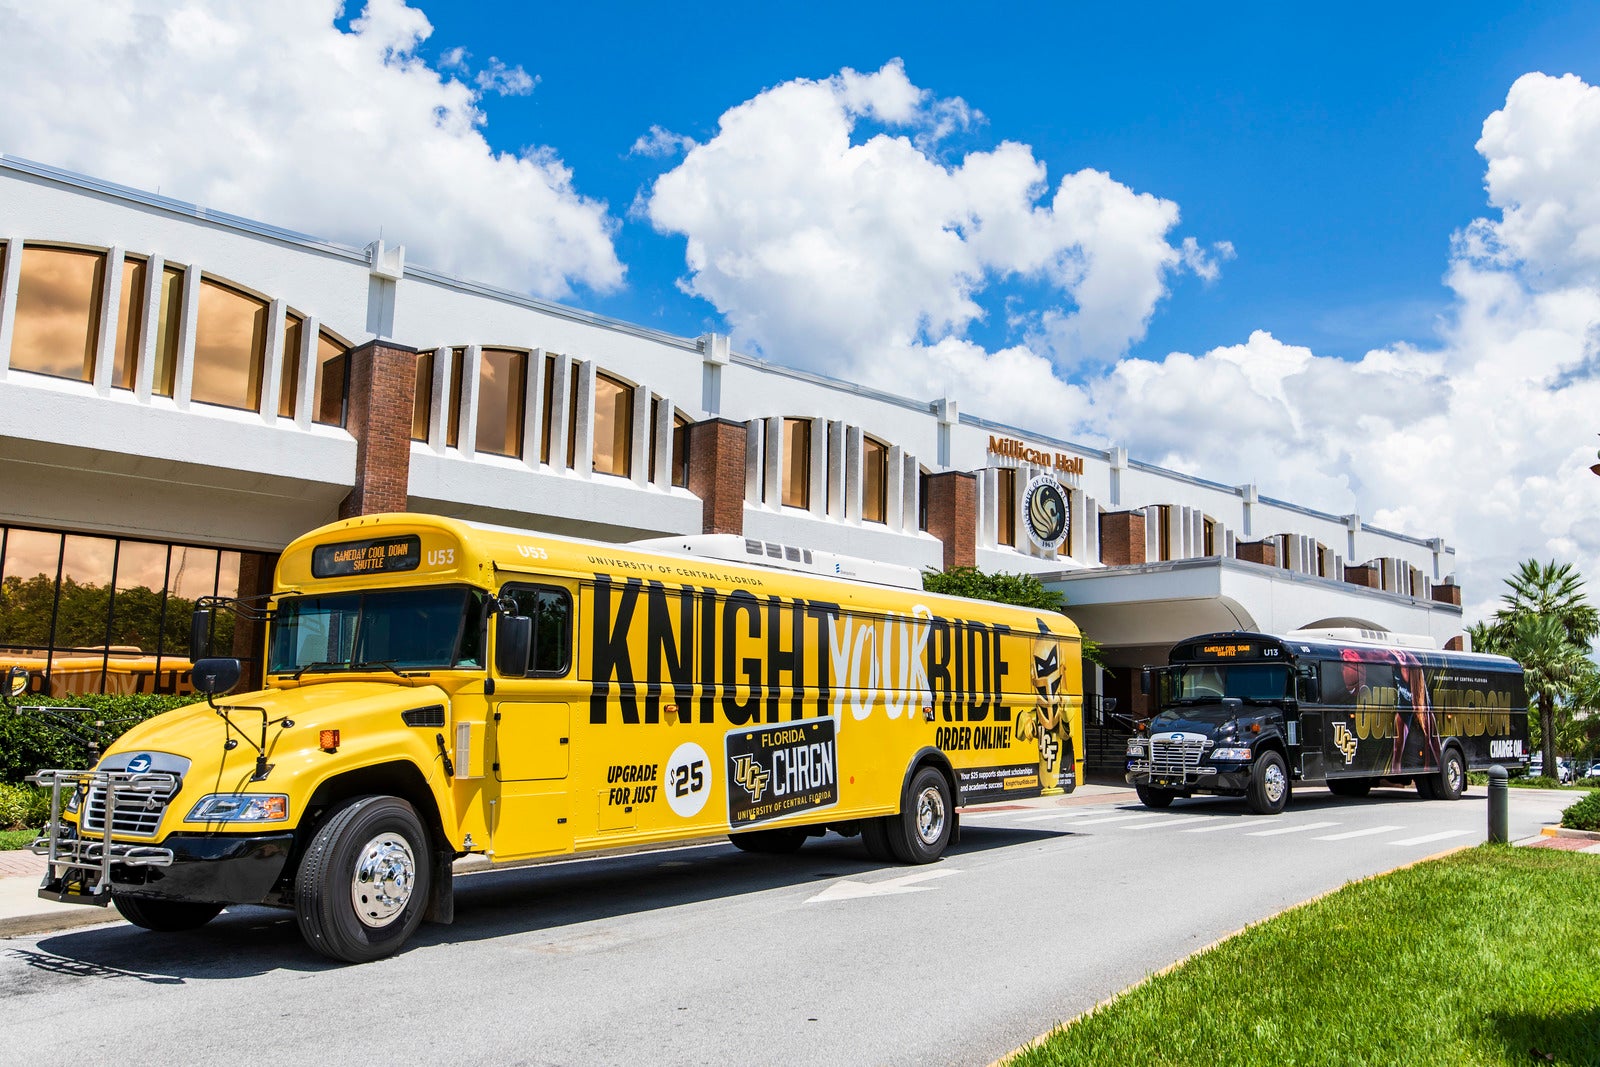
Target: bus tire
column 927, row 818
column 1154, row 798
column 166, row 916
column 1269, row 784
column 364, row 880
column 875, row 835
column 779, row 842
column 1349, row 787
column 1427, row 785
column 1451, row 782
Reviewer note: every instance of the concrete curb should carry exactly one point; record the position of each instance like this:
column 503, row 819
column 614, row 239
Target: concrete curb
column 56, row 922
column 1562, row 831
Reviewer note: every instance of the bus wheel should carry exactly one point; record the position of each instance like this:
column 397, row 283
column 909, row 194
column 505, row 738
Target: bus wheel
column 167, row 916
column 926, row 820
column 1349, row 787
column 775, row 842
column 875, row 835
column 1154, row 798
column 1452, row 779
column 1427, row 786
column 1269, row 784
column 363, row 883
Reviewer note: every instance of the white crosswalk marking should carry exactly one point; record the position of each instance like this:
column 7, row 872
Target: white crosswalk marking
column 1118, row 818
column 1080, row 813
column 1228, row 824
column 1427, row 839
column 1302, row 828
column 1159, row 825
column 1368, row 832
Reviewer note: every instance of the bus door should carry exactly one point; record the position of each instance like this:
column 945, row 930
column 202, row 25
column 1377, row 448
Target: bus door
column 530, row 730
column 1311, row 731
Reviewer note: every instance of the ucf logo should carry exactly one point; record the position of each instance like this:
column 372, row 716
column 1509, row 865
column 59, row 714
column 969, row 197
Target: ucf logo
column 1049, row 751
column 1344, row 741
column 751, row 775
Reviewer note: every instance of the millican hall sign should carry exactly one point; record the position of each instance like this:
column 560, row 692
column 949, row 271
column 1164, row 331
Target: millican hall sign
column 1011, row 448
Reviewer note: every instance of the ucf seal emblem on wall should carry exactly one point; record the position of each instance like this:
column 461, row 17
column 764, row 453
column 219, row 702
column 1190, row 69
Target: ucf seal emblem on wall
column 1044, row 511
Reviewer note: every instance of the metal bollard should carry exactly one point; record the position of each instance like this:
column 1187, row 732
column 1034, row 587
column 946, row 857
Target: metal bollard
column 1499, row 821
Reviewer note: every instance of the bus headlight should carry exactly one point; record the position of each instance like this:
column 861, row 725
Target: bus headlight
column 1231, row 754
column 240, row 807
column 1135, row 746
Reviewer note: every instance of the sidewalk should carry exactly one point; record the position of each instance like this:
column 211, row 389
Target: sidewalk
column 23, row 914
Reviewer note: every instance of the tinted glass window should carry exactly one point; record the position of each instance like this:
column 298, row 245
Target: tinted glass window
column 551, row 611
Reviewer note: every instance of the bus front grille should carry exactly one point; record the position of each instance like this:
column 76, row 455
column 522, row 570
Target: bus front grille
column 1173, row 759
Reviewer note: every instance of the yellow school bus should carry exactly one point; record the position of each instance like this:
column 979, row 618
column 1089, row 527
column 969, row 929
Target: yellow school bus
column 435, row 688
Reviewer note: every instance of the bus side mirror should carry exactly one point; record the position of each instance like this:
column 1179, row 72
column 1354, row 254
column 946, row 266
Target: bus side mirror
column 213, row 677
column 513, row 643
column 14, row 684
column 200, row 634
column 1144, row 681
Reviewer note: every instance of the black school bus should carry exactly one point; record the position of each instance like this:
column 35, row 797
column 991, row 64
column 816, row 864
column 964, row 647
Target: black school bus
column 1253, row 715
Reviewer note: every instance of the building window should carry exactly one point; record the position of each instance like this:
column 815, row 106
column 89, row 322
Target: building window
column 458, row 396
column 91, row 614
column 58, row 312
column 1006, row 506
column 333, row 380
column 1164, row 532
column 130, row 323
column 165, row 377
column 547, row 407
column 874, row 480
column 502, row 393
column 1210, row 527
column 422, row 409
column 922, row 500
column 797, row 463
column 294, row 331
column 230, row 347
column 613, row 426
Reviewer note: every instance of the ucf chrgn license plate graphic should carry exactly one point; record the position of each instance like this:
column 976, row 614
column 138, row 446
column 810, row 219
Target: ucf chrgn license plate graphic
column 775, row 771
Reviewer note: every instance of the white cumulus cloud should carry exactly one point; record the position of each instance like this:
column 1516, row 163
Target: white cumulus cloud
column 828, row 247
column 270, row 111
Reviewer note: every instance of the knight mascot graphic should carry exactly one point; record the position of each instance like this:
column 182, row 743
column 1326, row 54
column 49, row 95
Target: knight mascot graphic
column 1047, row 719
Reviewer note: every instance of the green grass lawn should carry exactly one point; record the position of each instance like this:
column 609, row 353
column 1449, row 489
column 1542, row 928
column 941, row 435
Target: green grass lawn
column 10, row 839
column 1487, row 956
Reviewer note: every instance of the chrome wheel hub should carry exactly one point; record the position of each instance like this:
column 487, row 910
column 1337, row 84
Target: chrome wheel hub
column 1276, row 782
column 930, row 815
column 384, row 877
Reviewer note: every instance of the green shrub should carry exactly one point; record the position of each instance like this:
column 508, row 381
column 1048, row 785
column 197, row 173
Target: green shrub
column 23, row 807
column 1588, row 783
column 1584, row 815
column 1539, row 781
column 45, row 732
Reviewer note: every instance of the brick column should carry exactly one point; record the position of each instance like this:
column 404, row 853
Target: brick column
column 1364, row 576
column 1264, row 552
column 381, row 397
column 255, row 580
column 953, row 516
column 716, row 473
column 1447, row 593
column 1122, row 538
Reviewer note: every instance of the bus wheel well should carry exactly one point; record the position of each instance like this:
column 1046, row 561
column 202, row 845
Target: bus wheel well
column 398, row 779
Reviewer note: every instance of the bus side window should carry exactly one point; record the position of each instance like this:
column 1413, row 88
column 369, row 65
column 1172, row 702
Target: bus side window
column 1340, row 682
column 550, row 608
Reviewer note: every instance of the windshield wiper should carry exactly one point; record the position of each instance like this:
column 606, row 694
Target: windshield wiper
column 321, row 664
column 379, row 663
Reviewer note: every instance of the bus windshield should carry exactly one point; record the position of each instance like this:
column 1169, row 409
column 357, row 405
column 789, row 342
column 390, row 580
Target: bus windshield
column 1251, row 682
column 399, row 629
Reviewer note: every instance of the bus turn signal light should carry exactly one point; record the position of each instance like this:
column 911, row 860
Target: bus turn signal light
column 328, row 740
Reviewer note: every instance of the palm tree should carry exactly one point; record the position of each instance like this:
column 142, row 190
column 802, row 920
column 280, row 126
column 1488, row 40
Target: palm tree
column 1547, row 625
column 1552, row 667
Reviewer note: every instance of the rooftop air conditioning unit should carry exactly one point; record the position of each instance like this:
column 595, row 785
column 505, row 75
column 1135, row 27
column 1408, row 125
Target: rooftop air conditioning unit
column 736, row 549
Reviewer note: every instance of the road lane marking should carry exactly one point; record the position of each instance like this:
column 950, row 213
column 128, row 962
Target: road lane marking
column 850, row 889
column 1158, row 825
column 1428, row 839
column 1348, row 834
column 1300, row 828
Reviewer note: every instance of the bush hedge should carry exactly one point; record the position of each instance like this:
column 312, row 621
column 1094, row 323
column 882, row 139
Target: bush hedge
column 23, row 807
column 1584, row 815
column 54, row 732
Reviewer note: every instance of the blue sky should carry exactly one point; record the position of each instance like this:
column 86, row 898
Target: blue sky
column 1332, row 147
column 1351, row 255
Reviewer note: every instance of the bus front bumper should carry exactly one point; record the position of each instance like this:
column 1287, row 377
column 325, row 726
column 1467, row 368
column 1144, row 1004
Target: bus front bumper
column 214, row 868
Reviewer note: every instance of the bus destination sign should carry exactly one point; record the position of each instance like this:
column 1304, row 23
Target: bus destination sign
column 375, row 556
column 1234, row 650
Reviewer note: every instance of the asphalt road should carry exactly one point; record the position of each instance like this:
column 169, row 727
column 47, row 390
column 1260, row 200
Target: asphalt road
column 706, row 955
